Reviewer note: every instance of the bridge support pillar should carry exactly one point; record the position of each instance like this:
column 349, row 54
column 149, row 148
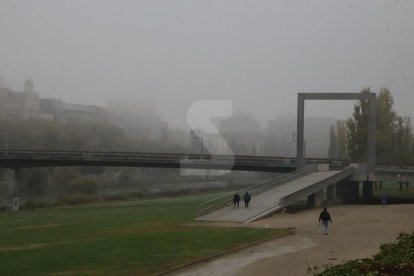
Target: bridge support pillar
column 352, row 192
column 341, row 191
column 367, row 191
column 331, row 193
column 13, row 189
column 311, row 200
column 316, row 199
column 320, row 197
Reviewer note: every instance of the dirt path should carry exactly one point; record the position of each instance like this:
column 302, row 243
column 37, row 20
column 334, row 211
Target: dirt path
column 357, row 232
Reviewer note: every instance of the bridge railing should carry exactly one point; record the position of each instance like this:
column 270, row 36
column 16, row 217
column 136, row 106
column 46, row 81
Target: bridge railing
column 217, row 203
column 108, row 155
column 149, row 157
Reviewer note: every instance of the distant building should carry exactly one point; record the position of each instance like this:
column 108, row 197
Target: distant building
column 139, row 120
column 78, row 113
column 27, row 104
column 20, row 105
column 243, row 134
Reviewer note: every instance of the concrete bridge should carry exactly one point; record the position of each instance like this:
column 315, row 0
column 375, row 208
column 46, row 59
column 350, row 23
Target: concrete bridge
column 20, row 159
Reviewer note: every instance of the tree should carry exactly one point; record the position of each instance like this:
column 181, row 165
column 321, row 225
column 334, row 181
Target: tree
column 333, row 143
column 36, row 180
column 386, row 122
column 357, row 128
column 393, row 133
column 341, row 138
column 403, row 140
column 337, row 141
column 84, row 185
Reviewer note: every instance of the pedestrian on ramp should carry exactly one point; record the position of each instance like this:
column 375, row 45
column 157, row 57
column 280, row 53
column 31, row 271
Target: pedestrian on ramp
column 236, row 200
column 246, row 199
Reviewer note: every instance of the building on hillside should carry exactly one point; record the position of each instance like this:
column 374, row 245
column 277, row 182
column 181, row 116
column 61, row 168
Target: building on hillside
column 27, row 104
column 78, row 113
column 20, row 105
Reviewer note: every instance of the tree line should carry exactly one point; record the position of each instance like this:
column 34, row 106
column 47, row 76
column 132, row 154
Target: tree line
column 394, row 137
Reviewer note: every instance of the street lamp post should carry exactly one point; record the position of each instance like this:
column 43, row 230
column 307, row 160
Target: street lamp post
column 399, row 181
column 194, row 136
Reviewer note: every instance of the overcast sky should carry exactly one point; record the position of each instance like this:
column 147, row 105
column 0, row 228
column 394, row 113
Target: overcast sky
column 258, row 54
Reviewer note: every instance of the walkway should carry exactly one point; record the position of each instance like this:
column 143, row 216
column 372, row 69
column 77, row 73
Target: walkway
column 350, row 236
column 271, row 201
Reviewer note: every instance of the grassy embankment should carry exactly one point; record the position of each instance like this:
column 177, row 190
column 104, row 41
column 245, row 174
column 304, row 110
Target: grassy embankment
column 136, row 238
column 394, row 194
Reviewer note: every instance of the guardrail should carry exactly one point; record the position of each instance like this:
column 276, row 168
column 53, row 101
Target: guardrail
column 394, row 168
column 217, row 203
column 158, row 157
column 108, row 155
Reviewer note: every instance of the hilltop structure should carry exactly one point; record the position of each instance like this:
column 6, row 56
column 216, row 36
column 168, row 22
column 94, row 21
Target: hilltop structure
column 22, row 105
column 26, row 104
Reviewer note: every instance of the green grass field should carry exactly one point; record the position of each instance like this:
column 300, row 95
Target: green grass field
column 394, row 195
column 129, row 238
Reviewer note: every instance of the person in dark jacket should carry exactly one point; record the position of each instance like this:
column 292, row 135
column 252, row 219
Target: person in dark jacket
column 236, row 200
column 324, row 219
column 246, row 199
column 384, row 200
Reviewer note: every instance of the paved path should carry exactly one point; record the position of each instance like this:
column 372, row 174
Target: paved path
column 266, row 201
column 357, row 232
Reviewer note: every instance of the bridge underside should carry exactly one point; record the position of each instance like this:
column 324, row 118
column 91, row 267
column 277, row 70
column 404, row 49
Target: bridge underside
column 24, row 163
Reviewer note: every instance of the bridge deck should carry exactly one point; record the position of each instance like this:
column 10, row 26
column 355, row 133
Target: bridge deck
column 270, row 201
column 15, row 159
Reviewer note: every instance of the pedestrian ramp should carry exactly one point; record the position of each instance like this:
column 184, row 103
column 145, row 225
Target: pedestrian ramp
column 285, row 191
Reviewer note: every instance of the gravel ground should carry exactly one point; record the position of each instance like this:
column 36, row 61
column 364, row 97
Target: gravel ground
column 357, row 231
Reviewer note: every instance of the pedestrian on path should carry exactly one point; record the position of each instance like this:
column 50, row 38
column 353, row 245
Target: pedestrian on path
column 246, row 199
column 236, row 200
column 384, row 200
column 324, row 219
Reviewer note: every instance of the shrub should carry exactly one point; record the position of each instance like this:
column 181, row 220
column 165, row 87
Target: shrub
column 83, row 185
column 393, row 259
column 115, row 197
column 36, row 180
column 32, row 204
column 74, row 199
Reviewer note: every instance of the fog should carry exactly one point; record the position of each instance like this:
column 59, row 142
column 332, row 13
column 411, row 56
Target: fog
column 257, row 54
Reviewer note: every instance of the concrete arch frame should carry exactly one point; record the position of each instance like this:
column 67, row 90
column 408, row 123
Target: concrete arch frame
column 372, row 111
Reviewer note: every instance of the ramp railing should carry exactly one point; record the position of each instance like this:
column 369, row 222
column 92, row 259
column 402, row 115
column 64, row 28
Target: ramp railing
column 217, row 203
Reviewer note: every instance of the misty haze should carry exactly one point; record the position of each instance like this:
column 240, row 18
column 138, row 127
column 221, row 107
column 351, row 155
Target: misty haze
column 139, row 136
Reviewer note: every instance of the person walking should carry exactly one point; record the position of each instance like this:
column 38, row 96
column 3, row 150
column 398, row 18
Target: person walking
column 246, row 199
column 384, row 200
column 324, row 219
column 236, row 200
